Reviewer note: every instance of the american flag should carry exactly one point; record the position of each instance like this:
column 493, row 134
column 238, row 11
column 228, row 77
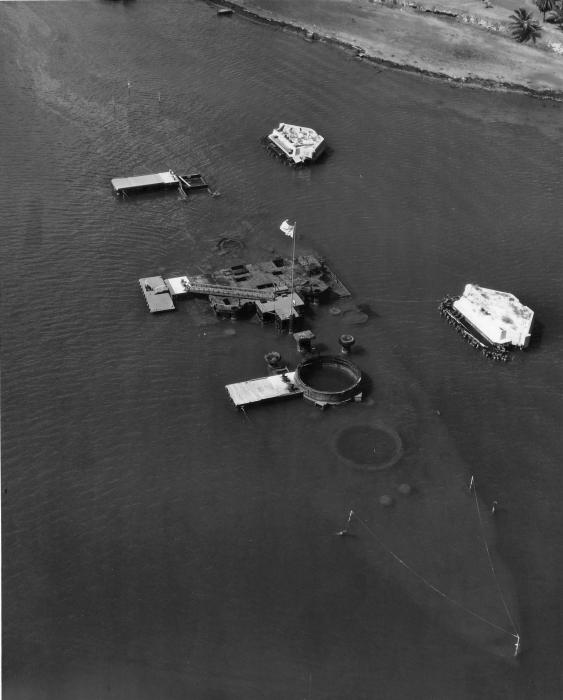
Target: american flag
column 287, row 228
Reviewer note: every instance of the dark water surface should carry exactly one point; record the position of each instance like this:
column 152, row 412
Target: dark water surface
column 159, row 544
column 328, row 378
column 365, row 445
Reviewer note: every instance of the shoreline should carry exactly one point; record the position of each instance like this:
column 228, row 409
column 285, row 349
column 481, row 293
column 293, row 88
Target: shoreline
column 434, row 22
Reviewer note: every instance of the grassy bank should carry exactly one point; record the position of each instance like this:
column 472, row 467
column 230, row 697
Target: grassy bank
column 458, row 40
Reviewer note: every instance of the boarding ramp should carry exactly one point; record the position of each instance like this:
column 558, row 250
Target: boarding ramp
column 232, row 292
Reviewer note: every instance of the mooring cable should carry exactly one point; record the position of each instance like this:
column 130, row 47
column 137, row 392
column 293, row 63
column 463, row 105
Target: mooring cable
column 431, row 586
column 491, row 560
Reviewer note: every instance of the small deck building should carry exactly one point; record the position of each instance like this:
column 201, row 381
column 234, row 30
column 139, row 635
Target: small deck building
column 281, row 310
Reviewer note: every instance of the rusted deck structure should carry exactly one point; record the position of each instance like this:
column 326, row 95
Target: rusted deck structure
column 262, row 287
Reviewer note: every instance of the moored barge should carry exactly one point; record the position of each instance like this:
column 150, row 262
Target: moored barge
column 491, row 321
column 296, row 145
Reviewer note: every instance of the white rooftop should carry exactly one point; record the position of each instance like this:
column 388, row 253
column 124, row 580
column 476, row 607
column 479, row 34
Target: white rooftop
column 297, row 142
column 177, row 285
column 498, row 316
column 282, row 306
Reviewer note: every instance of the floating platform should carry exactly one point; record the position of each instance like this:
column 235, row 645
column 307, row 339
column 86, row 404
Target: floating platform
column 194, row 181
column 296, row 145
column 157, row 181
column 498, row 316
column 492, row 351
column 263, row 389
column 156, row 294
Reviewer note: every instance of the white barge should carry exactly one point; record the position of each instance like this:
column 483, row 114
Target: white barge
column 491, row 321
column 297, row 145
column 498, row 316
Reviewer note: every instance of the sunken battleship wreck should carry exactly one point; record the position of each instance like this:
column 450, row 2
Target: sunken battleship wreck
column 490, row 321
column 396, row 525
column 262, row 288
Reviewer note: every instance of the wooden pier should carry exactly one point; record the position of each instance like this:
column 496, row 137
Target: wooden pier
column 142, row 183
column 156, row 294
column 158, row 181
column 277, row 386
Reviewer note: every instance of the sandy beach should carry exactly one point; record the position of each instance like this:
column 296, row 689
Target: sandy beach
column 462, row 41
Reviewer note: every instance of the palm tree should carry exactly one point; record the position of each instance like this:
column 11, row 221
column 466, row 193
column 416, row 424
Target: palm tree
column 556, row 16
column 524, row 27
column 545, row 6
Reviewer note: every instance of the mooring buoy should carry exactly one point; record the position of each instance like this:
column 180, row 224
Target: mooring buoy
column 272, row 358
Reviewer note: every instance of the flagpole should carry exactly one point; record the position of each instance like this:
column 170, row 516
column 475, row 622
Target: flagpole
column 292, row 266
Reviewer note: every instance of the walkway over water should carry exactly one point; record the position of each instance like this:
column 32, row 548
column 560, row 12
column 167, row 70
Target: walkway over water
column 230, row 291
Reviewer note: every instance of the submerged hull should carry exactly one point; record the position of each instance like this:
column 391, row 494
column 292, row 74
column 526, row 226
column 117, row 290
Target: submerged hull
column 433, row 543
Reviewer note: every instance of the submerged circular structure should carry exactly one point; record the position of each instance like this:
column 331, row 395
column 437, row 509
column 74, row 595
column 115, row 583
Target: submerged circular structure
column 372, row 447
column 354, row 317
column 328, row 379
